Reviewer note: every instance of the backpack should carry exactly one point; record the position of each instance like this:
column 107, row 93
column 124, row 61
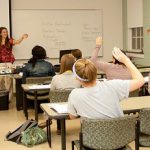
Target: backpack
column 15, row 136
column 33, row 136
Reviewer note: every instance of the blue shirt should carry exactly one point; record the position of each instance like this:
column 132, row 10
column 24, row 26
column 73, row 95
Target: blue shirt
column 42, row 68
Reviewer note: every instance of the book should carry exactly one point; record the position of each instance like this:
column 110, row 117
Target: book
column 59, row 107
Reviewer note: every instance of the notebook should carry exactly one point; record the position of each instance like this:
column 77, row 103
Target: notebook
column 59, row 107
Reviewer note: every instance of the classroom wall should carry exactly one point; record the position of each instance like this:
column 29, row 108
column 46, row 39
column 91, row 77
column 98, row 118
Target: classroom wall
column 4, row 14
column 146, row 25
column 112, row 18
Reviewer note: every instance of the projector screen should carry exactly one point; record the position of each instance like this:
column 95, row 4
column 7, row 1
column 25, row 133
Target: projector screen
column 4, row 14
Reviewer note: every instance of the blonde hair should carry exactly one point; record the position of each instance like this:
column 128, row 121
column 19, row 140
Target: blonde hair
column 85, row 70
column 67, row 62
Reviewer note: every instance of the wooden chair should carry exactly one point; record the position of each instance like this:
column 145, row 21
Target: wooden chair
column 114, row 133
column 39, row 96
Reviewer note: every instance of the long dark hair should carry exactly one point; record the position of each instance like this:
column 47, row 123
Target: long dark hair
column 118, row 62
column 38, row 52
column 7, row 43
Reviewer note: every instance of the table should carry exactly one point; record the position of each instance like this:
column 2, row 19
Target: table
column 54, row 115
column 132, row 104
column 32, row 88
column 144, row 71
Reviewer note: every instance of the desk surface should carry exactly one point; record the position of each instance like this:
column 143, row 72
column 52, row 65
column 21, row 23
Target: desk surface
column 132, row 103
column 144, row 70
column 51, row 113
column 35, row 87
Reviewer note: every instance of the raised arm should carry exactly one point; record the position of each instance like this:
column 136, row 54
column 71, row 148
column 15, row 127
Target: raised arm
column 137, row 78
column 24, row 36
column 97, row 49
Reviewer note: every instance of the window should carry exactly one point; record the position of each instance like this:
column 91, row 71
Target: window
column 137, row 39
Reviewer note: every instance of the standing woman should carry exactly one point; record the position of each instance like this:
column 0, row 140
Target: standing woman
column 6, row 44
column 7, row 57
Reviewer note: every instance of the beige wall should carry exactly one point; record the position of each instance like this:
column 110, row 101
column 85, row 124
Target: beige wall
column 112, row 18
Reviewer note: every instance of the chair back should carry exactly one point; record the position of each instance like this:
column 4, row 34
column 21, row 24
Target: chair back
column 57, row 96
column 42, row 94
column 111, row 133
column 38, row 80
column 144, row 117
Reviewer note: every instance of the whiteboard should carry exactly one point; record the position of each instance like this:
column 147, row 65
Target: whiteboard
column 56, row 30
column 4, row 14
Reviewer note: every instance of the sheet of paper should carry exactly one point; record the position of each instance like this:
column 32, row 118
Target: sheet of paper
column 59, row 107
column 40, row 86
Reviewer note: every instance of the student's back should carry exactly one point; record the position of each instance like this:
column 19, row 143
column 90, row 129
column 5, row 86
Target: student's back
column 37, row 66
column 66, row 79
column 101, row 99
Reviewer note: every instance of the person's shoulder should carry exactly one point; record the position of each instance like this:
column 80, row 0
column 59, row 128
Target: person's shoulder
column 77, row 92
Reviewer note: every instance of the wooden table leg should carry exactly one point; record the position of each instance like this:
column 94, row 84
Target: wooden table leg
column 63, row 134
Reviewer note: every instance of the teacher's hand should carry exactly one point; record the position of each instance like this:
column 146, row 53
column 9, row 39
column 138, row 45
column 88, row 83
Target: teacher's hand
column 24, row 36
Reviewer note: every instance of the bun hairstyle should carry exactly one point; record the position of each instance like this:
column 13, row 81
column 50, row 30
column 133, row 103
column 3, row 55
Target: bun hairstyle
column 85, row 70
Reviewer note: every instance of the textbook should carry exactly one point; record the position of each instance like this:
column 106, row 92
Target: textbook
column 59, row 107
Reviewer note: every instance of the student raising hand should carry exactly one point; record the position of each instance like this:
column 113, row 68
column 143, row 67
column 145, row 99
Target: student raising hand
column 137, row 78
column 119, row 55
column 99, row 41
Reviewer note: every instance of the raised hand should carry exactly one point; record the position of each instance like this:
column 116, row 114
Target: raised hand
column 99, row 41
column 24, row 36
column 121, row 57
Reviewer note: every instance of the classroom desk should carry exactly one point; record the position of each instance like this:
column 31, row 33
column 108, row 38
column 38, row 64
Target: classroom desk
column 101, row 74
column 32, row 88
column 54, row 115
column 144, row 71
column 133, row 104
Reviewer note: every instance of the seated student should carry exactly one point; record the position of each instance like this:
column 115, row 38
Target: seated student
column 115, row 70
column 101, row 99
column 37, row 66
column 77, row 53
column 66, row 79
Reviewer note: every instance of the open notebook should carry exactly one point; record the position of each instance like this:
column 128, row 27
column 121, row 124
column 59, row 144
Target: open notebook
column 59, row 107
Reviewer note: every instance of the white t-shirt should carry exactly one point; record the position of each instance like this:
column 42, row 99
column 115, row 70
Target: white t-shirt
column 99, row 101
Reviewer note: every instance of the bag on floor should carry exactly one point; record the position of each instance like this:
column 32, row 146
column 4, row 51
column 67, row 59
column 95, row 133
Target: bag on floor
column 15, row 136
column 33, row 136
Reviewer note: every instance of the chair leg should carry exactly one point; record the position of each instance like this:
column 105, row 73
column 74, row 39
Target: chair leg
column 25, row 105
column 36, row 106
column 48, row 132
column 137, row 135
column 72, row 145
